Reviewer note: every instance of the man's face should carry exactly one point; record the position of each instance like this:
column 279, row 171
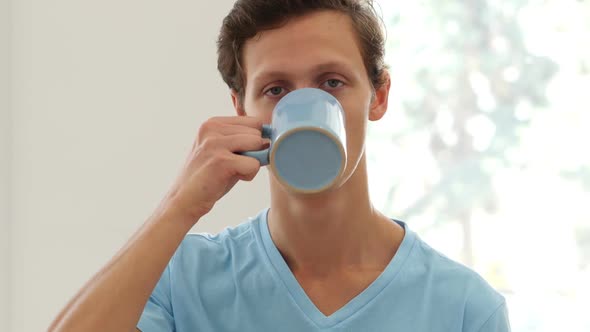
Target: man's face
column 318, row 50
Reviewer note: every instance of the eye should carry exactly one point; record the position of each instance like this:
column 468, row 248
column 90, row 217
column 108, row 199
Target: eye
column 333, row 83
column 275, row 91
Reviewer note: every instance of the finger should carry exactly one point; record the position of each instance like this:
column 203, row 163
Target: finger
column 230, row 129
column 248, row 121
column 243, row 142
column 246, row 167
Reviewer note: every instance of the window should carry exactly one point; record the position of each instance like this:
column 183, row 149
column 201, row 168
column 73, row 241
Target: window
column 485, row 147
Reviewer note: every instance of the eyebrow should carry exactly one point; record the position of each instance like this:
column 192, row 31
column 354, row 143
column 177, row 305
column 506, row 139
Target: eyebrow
column 273, row 75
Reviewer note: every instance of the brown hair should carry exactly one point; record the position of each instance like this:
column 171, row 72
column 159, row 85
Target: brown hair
column 250, row 17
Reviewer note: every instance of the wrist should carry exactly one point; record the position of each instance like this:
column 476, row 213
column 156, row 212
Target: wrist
column 171, row 211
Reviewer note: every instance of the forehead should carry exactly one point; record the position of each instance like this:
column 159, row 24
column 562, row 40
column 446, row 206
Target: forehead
column 303, row 43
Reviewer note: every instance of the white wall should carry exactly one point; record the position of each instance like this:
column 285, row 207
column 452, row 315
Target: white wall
column 5, row 158
column 108, row 96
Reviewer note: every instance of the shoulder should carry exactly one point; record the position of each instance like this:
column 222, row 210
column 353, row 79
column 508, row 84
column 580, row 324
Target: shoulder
column 228, row 235
column 455, row 284
column 206, row 251
column 454, row 275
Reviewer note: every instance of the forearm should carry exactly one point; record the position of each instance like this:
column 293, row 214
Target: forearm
column 114, row 298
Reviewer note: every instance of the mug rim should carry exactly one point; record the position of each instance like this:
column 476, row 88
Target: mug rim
column 314, row 90
column 313, row 128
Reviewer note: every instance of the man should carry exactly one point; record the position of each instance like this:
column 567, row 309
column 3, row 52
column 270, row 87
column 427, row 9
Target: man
column 312, row 262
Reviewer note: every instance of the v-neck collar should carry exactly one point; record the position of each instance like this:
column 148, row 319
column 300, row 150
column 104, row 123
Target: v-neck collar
column 286, row 277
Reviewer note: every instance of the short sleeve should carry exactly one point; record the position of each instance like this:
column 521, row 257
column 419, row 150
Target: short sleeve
column 498, row 322
column 157, row 315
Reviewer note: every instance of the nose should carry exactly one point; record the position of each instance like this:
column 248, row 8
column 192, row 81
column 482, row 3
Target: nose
column 304, row 83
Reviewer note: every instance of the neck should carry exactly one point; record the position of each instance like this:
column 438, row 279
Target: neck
column 333, row 230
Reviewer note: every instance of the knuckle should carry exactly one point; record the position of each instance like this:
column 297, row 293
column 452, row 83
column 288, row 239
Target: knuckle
column 207, row 127
column 219, row 159
column 208, row 144
column 216, row 119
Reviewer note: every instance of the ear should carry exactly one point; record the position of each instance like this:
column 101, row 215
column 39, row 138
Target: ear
column 380, row 99
column 238, row 103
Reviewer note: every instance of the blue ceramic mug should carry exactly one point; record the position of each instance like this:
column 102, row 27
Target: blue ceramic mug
column 307, row 152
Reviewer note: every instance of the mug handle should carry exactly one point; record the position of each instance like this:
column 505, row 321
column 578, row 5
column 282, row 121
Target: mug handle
column 262, row 155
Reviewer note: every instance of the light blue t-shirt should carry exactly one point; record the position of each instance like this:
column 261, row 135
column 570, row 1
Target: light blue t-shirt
column 238, row 281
